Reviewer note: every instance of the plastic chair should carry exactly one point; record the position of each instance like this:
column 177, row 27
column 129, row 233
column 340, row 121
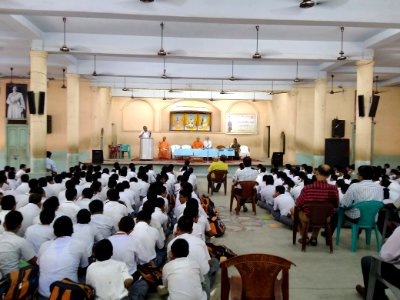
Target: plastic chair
column 124, row 148
column 368, row 211
column 258, row 277
column 388, row 211
column 114, row 151
column 173, row 147
column 374, row 275
column 220, row 147
column 220, row 176
column 244, row 151
column 186, row 147
column 320, row 213
column 247, row 192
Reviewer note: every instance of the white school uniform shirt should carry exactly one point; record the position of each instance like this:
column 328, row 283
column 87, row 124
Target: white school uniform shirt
column 103, row 224
column 197, row 251
column 29, row 213
column 69, row 209
column 23, row 188
column 127, row 249
column 159, row 221
column 83, row 203
column 37, row 234
column 149, row 238
column 128, row 200
column 182, row 277
column 87, row 234
column 266, row 194
column 107, row 286
column 56, row 187
column 12, row 249
column 199, row 228
column 59, row 259
column 283, row 203
column 21, row 200
column 116, row 211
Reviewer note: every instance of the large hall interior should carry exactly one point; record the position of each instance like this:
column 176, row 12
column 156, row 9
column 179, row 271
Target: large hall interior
column 308, row 81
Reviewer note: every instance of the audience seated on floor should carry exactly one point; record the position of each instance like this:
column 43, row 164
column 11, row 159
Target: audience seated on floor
column 266, row 193
column 283, row 204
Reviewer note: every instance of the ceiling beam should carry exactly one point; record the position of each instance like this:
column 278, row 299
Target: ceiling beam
column 23, row 26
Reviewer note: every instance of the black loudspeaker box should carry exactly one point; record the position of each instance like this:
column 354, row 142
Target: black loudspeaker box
column 361, row 108
column 31, row 103
column 338, row 128
column 374, row 106
column 97, row 156
column 42, row 96
column 277, row 159
column 49, row 124
column 337, row 152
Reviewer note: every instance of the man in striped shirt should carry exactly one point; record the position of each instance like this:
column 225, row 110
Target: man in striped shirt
column 320, row 190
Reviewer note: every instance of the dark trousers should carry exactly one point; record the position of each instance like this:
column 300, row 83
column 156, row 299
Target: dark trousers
column 388, row 271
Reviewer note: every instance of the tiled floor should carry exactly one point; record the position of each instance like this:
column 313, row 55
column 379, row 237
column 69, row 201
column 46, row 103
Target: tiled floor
column 317, row 274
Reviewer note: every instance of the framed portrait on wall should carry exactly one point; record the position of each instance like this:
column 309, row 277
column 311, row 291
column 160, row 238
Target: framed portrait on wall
column 190, row 121
column 241, row 124
column 177, row 121
column 16, row 95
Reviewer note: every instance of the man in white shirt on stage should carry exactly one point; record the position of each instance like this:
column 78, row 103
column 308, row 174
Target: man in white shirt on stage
column 207, row 144
column 145, row 133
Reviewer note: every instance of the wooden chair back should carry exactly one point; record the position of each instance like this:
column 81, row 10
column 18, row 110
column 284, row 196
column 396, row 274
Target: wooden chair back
column 258, row 277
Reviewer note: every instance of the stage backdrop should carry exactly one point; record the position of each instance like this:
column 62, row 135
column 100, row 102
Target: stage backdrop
column 241, row 123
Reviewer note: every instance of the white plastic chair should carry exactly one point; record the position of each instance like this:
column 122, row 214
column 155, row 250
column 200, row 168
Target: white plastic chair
column 173, row 147
column 244, row 151
column 186, row 147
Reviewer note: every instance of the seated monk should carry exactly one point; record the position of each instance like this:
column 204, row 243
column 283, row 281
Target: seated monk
column 164, row 150
column 197, row 144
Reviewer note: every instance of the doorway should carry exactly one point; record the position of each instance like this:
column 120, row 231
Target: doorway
column 17, row 144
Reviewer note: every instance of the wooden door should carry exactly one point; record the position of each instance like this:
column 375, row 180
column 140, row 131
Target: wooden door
column 17, row 145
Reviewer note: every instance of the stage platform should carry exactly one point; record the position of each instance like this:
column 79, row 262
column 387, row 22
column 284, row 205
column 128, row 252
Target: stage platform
column 200, row 166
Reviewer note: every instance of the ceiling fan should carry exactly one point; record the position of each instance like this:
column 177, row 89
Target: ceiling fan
column 164, row 98
column 64, row 47
column 341, row 53
column 94, row 66
column 232, row 78
column 211, row 98
column 164, row 74
column 297, row 79
column 272, row 92
column 171, row 90
column 162, row 52
column 311, row 3
column 125, row 89
column 223, row 92
column 257, row 55
column 332, row 91
column 132, row 97
column 63, row 79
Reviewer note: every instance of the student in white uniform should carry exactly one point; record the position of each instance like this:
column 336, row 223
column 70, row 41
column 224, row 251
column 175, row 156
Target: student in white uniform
column 127, row 249
column 102, row 223
column 182, row 275
column 13, row 247
column 110, row 278
column 37, row 234
column 60, row 258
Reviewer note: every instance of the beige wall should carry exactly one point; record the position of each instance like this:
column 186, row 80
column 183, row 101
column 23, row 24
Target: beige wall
column 290, row 113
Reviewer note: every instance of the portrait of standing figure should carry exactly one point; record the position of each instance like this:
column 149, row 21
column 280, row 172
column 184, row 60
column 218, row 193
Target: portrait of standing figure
column 16, row 101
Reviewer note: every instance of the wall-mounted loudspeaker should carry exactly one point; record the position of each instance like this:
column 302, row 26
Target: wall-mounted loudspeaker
column 361, row 108
column 42, row 96
column 338, row 128
column 31, row 103
column 49, row 124
column 374, row 106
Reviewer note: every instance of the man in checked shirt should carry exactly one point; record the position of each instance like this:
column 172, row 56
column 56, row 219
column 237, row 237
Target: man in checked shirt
column 364, row 190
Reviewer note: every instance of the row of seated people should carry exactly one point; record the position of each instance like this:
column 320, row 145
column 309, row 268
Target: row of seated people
column 58, row 221
column 281, row 192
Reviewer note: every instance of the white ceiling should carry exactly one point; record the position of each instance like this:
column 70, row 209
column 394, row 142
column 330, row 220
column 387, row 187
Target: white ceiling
column 201, row 39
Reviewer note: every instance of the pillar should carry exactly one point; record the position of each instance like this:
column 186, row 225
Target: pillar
column 319, row 122
column 72, row 119
column 38, row 123
column 101, row 136
column 363, row 141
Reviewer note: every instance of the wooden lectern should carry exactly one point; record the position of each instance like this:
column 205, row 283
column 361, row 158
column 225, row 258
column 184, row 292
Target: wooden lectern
column 146, row 149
